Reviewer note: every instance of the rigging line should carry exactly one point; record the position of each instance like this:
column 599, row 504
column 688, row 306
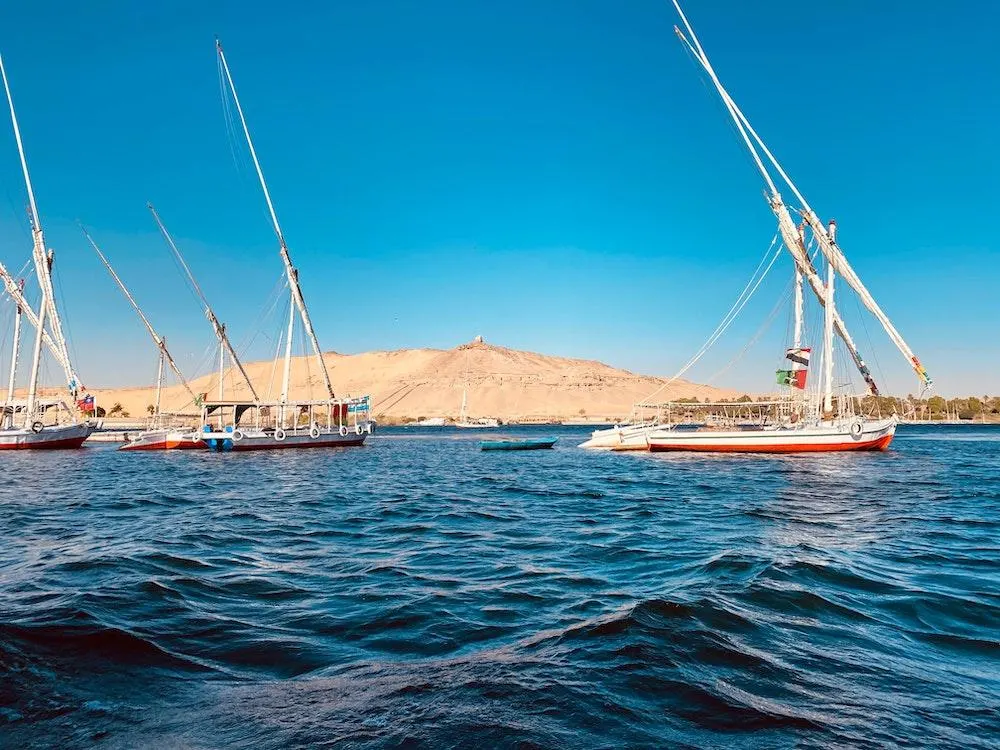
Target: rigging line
column 730, row 316
column 721, row 105
column 724, row 323
column 67, row 317
column 756, row 337
column 868, row 338
column 270, row 302
column 227, row 116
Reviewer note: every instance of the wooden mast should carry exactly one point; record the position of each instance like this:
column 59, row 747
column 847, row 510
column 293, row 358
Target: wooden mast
column 15, row 349
column 158, row 340
column 217, row 327
column 292, row 273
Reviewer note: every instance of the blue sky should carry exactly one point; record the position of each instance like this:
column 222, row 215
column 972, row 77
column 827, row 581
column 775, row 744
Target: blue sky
column 553, row 175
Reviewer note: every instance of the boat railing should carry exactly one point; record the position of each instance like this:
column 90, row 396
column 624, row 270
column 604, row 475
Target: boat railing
column 296, row 417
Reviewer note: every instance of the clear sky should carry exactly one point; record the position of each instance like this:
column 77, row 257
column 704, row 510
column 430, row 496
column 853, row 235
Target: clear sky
column 553, row 174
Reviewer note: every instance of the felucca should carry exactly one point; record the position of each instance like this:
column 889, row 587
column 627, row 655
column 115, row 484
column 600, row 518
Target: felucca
column 808, row 424
column 161, row 434
column 34, row 422
column 804, row 424
column 258, row 425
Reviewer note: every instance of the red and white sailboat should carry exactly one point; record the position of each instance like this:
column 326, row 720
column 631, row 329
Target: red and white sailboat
column 35, row 422
column 820, row 427
column 161, row 434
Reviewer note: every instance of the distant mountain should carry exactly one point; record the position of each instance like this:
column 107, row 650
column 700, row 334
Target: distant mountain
column 413, row 383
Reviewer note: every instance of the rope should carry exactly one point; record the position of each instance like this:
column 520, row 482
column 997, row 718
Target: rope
column 731, row 315
column 756, row 337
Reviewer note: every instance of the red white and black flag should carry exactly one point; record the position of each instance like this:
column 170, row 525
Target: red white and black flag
column 799, row 355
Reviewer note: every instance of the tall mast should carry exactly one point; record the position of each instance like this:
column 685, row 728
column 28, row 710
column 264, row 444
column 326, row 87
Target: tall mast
column 797, row 334
column 36, row 358
column 222, row 372
column 828, row 343
column 220, row 330
column 287, row 371
column 15, row 349
column 160, row 343
column 293, row 276
column 42, row 270
column 826, row 242
column 159, row 387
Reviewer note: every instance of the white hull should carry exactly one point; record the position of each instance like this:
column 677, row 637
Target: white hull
column 843, row 435
column 164, row 440
column 485, row 424
column 624, row 438
column 48, row 438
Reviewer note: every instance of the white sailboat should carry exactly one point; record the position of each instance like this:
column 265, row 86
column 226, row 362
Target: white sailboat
column 478, row 423
column 38, row 423
column 162, row 433
column 258, row 425
column 824, row 428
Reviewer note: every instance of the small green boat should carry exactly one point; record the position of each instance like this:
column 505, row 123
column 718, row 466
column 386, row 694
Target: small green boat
column 517, row 444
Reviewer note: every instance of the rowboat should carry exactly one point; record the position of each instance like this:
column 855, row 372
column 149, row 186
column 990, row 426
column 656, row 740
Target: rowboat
column 517, row 444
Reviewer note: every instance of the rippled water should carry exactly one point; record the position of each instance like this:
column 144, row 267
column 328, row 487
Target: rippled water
column 418, row 592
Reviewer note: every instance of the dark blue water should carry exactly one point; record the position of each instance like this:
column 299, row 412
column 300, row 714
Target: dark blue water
column 418, row 592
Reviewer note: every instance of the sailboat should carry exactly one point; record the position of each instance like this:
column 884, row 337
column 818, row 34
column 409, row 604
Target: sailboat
column 257, row 424
column 160, row 435
column 39, row 423
column 480, row 423
column 821, row 427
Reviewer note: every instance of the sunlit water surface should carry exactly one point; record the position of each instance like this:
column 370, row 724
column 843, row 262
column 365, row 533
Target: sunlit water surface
column 418, row 592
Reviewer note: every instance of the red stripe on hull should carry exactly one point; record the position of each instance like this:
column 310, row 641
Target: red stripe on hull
column 165, row 445
column 185, row 445
column 872, row 445
column 67, row 443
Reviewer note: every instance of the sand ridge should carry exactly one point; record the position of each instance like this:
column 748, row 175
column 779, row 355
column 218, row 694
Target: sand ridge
column 417, row 383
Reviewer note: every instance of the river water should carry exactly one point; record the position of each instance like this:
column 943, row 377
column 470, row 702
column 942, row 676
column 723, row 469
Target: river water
column 420, row 593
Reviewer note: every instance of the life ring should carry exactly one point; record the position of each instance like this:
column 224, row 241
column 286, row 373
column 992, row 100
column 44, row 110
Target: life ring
column 237, row 435
column 856, row 429
column 279, row 434
column 343, row 431
column 368, row 426
column 37, row 427
column 314, row 432
column 359, row 430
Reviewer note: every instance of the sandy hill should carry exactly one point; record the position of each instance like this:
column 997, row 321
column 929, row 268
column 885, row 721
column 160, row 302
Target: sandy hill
column 415, row 383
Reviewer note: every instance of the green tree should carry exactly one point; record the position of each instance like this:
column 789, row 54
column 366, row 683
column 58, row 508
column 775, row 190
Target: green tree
column 937, row 405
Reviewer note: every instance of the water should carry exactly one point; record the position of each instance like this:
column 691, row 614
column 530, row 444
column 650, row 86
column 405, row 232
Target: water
column 418, row 592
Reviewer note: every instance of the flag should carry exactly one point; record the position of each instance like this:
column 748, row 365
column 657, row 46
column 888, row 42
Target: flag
column 799, row 355
column 794, row 378
column 86, row 404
